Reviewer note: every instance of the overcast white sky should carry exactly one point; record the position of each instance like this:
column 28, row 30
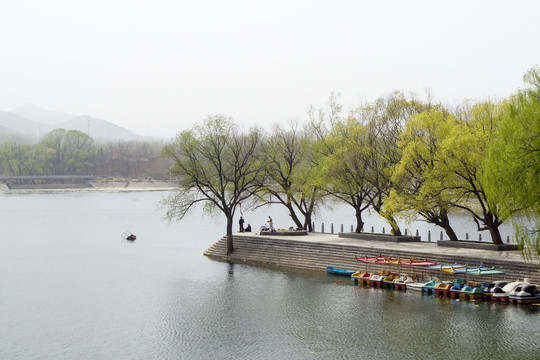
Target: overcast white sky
column 158, row 66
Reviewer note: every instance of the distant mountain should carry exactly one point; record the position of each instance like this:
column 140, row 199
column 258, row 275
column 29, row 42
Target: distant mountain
column 35, row 113
column 99, row 129
column 32, row 121
column 24, row 126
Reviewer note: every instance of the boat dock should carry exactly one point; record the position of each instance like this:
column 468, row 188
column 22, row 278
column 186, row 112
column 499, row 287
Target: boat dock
column 315, row 251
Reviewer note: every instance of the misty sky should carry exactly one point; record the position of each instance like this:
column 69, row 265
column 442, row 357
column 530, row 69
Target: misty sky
column 157, row 67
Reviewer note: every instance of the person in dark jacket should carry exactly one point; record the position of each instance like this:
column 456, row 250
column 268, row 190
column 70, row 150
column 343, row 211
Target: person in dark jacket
column 241, row 223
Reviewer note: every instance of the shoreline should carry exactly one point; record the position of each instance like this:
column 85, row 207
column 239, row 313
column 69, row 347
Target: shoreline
column 316, row 251
column 98, row 185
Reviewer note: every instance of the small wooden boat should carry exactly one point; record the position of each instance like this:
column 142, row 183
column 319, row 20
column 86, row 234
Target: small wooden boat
column 126, row 235
column 483, row 271
column 337, row 271
column 414, row 262
column 372, row 259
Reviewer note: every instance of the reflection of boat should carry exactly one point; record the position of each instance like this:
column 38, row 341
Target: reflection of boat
column 525, row 294
column 337, row 271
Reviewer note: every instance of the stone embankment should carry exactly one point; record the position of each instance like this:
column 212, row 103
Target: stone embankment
column 316, row 251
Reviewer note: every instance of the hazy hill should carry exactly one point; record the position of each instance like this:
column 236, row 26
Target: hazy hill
column 35, row 113
column 24, row 126
column 32, row 121
column 99, row 129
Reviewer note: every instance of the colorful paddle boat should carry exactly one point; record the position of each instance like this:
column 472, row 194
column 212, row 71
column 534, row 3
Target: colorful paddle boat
column 456, row 290
column 525, row 294
column 502, row 294
column 488, row 291
column 360, row 278
column 443, row 289
column 401, row 282
column 376, row 280
column 429, row 287
column 388, row 281
column 471, row 292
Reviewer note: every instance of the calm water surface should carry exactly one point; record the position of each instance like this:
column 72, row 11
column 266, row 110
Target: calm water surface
column 71, row 289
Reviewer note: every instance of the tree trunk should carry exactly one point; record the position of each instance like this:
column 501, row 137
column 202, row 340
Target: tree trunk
column 495, row 234
column 450, row 232
column 293, row 216
column 230, row 247
column 394, row 225
column 359, row 222
column 307, row 223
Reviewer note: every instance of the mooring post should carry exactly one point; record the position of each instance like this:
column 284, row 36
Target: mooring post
column 466, row 236
column 313, row 227
column 508, row 239
column 331, row 228
column 429, row 235
column 351, row 228
column 479, row 237
column 383, row 229
column 417, row 232
column 372, row 230
column 322, row 228
column 341, row 227
column 405, row 232
column 441, row 236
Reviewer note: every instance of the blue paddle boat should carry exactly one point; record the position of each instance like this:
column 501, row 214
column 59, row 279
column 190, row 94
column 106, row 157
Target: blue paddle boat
column 337, row 271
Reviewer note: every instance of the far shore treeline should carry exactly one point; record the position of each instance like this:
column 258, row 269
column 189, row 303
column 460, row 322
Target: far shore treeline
column 399, row 156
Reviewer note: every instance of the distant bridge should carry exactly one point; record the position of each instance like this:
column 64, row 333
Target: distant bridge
column 47, row 181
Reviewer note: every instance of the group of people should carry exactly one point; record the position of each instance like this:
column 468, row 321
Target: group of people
column 241, row 223
column 248, row 227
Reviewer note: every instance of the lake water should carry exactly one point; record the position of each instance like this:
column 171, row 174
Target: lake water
column 70, row 288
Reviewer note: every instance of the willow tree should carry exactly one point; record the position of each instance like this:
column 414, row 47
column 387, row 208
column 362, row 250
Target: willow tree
column 421, row 177
column 217, row 165
column 344, row 167
column 512, row 175
column 464, row 151
column 384, row 120
column 292, row 173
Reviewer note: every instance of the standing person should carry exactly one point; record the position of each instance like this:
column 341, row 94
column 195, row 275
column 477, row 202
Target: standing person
column 241, row 223
column 270, row 224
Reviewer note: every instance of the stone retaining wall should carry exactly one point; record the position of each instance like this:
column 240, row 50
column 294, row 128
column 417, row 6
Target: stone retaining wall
column 316, row 256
